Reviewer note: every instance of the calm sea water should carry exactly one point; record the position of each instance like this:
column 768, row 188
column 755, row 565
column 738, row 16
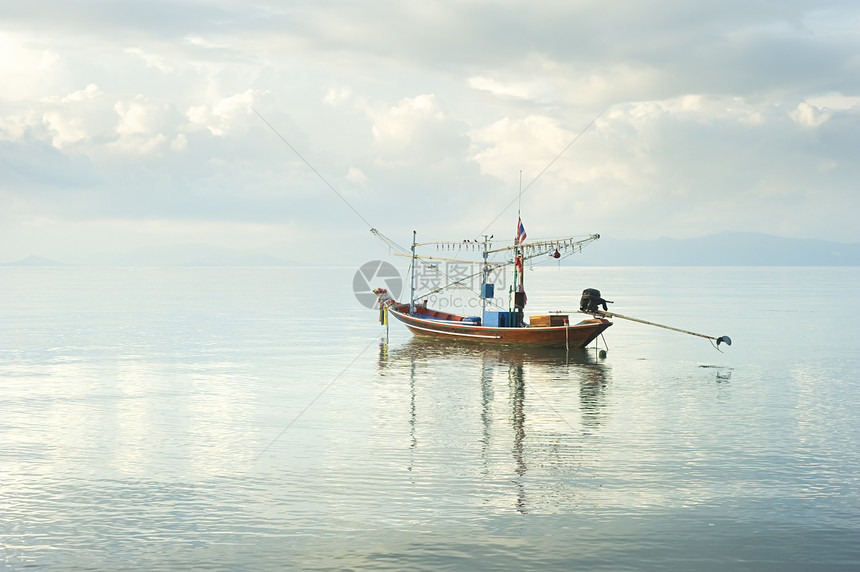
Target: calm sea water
column 231, row 419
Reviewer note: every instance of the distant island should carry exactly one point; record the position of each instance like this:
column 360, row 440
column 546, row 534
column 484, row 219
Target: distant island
column 723, row 249
column 33, row 261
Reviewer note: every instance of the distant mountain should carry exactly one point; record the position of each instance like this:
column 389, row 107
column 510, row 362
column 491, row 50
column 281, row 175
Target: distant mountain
column 178, row 255
column 723, row 249
column 33, row 261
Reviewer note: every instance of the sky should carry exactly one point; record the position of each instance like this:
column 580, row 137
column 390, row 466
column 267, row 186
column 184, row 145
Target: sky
column 291, row 128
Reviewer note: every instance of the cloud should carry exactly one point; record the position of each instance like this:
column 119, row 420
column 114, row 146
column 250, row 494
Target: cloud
column 336, row 96
column 179, row 143
column 132, row 117
column 500, row 88
column 65, row 129
column 34, row 170
column 809, row 115
column 152, row 60
column 90, row 92
column 526, row 144
column 416, row 131
column 73, row 117
column 226, row 113
column 835, row 102
column 356, row 175
column 716, row 116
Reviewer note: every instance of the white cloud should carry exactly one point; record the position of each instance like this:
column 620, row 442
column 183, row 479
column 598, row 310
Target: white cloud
column 809, row 115
column 14, row 127
column 415, row 131
column 144, row 126
column 90, row 92
column 499, row 88
column 73, row 118
column 356, row 175
column 226, row 113
column 835, row 102
column 179, row 143
column 336, row 96
column 693, row 107
column 152, row 60
column 510, row 145
column 201, row 42
column 64, row 129
column 132, row 117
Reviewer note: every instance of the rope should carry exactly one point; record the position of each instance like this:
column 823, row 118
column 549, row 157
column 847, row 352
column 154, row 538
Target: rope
column 545, row 169
column 314, row 400
column 311, row 167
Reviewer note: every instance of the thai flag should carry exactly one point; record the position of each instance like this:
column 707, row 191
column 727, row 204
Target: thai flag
column 521, row 231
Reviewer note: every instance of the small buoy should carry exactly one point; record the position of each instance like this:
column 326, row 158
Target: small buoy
column 602, row 354
column 556, row 254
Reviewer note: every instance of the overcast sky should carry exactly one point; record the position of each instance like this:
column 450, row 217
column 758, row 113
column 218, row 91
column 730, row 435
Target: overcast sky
column 130, row 124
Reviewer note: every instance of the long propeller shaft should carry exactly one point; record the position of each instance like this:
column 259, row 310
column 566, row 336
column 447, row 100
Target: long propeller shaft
column 722, row 339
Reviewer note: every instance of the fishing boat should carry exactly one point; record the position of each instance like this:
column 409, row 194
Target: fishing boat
column 496, row 325
column 556, row 331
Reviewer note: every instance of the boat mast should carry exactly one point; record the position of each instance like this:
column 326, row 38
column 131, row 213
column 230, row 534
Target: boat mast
column 412, row 279
column 484, row 276
column 519, row 219
column 512, row 290
column 519, row 293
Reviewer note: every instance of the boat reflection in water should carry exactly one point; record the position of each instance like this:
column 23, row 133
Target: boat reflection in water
column 528, row 410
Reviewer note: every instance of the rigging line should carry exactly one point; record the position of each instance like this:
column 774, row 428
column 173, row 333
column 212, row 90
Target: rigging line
column 453, row 282
column 466, row 288
column 314, row 400
column 311, row 167
column 548, row 404
column 391, row 243
column 545, row 169
column 545, row 400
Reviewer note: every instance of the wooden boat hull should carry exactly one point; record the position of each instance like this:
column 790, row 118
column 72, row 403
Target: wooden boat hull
column 570, row 336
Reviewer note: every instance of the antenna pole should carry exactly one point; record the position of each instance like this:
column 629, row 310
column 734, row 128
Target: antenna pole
column 517, row 242
column 520, row 255
column 484, row 275
column 520, row 195
column 519, row 219
column 412, row 280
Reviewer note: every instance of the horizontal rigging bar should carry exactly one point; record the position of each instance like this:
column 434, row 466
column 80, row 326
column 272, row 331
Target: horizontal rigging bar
column 542, row 244
column 450, row 243
column 548, row 243
column 422, row 257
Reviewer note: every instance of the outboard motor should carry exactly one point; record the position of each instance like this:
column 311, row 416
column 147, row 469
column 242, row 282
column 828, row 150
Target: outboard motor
column 591, row 301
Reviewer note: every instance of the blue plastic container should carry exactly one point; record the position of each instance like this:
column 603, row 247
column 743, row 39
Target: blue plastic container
column 495, row 319
column 487, row 290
